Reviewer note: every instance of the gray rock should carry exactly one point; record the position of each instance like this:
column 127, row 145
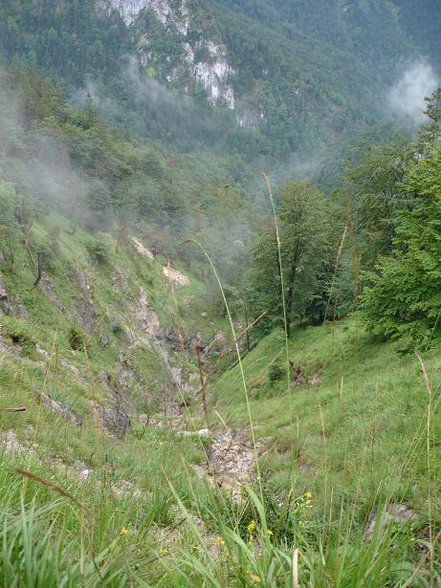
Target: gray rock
column 125, row 489
column 306, row 469
column 83, row 307
column 5, row 303
column 200, row 433
column 9, row 307
column 232, row 460
column 113, row 418
column 392, row 513
column 42, row 351
column 49, row 290
column 20, row 309
column 118, row 390
column 3, row 346
column 61, row 409
column 314, row 380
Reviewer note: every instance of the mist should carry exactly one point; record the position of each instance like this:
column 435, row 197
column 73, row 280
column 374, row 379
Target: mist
column 36, row 160
column 406, row 97
column 149, row 109
column 166, row 197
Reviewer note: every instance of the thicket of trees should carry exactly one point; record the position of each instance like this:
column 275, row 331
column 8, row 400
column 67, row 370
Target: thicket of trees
column 307, row 275
column 381, row 233
column 290, row 63
column 54, row 157
column 403, row 294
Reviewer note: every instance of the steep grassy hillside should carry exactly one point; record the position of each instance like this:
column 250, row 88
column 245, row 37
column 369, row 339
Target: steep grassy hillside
column 107, row 480
column 94, row 352
column 353, row 421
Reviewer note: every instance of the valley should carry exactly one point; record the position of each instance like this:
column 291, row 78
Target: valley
column 220, row 293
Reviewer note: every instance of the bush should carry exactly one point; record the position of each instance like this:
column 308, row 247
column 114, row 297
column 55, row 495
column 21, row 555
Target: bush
column 98, row 247
column 276, row 372
column 20, row 335
column 76, row 338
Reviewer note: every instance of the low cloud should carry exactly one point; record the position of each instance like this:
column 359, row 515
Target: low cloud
column 406, row 98
column 34, row 158
column 155, row 110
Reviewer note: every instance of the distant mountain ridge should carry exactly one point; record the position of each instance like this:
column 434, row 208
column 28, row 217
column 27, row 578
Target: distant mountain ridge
column 283, row 77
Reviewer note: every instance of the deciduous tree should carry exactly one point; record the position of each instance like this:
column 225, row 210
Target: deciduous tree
column 304, row 231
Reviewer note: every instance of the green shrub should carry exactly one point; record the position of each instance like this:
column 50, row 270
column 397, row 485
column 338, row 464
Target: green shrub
column 98, row 247
column 76, row 338
column 275, row 372
column 20, row 335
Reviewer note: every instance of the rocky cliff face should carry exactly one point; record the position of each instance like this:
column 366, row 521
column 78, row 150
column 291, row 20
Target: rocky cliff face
column 173, row 46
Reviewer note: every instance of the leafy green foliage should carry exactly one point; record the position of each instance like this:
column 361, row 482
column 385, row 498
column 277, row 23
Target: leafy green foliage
column 20, row 334
column 276, row 372
column 99, row 247
column 76, row 338
column 8, row 220
column 378, row 195
column 305, row 230
column 431, row 130
column 403, row 299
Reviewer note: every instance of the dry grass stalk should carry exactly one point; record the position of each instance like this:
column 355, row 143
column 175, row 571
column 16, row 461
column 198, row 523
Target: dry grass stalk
column 178, row 318
column 340, row 248
column 295, row 568
column 48, row 484
column 355, row 257
column 15, row 409
column 282, row 280
column 425, row 375
column 232, row 344
column 428, row 451
column 337, row 262
column 203, row 379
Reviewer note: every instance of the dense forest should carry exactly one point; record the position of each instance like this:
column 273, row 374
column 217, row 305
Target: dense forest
column 299, row 85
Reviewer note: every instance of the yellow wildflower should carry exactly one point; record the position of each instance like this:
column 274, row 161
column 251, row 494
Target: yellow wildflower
column 219, row 541
column 308, row 496
column 124, row 532
column 163, row 551
column 269, row 532
column 251, row 526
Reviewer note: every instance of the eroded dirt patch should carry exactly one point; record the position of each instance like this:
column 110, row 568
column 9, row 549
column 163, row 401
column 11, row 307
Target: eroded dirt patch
column 175, row 276
column 141, row 249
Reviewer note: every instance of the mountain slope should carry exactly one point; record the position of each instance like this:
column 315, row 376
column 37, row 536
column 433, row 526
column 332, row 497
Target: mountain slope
column 148, row 436
column 284, row 76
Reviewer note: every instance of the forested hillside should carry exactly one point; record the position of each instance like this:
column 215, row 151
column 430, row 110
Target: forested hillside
column 421, row 22
column 264, row 78
column 99, row 178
